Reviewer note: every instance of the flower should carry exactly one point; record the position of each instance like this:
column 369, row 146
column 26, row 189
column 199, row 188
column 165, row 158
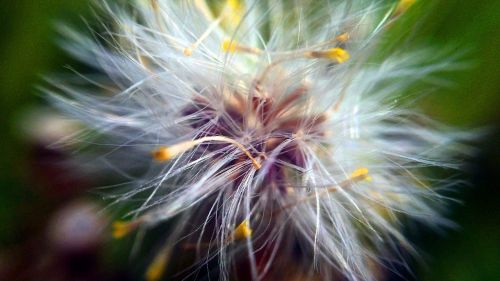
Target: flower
column 267, row 133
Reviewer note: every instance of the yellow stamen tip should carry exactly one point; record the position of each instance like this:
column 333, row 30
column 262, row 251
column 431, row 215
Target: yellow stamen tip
column 362, row 174
column 403, row 6
column 344, row 37
column 122, row 228
column 157, row 267
column 167, row 153
column 233, row 11
column 161, row 154
column 243, row 231
column 188, row 52
column 234, row 4
column 338, row 54
column 229, row 46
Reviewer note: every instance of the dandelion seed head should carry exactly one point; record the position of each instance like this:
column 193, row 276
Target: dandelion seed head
column 261, row 128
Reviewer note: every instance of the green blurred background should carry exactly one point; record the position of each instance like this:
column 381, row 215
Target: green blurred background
column 28, row 49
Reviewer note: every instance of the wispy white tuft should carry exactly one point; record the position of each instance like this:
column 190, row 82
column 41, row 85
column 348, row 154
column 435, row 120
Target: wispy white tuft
column 275, row 127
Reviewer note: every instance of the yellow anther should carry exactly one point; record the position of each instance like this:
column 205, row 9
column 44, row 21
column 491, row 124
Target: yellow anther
column 344, row 37
column 162, row 154
column 157, row 267
column 243, row 231
column 167, row 153
column 229, row 46
column 235, row 10
column 337, row 54
column 403, row 6
column 234, row 4
column 123, row 228
column 361, row 174
column 188, row 52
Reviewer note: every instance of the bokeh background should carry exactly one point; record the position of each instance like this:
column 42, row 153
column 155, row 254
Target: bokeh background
column 46, row 209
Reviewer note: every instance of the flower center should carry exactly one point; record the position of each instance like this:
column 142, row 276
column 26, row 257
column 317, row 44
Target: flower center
column 267, row 130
